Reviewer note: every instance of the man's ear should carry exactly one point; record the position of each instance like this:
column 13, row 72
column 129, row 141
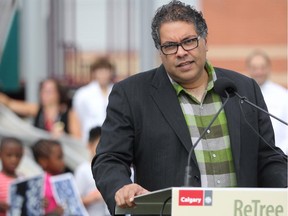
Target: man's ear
column 206, row 44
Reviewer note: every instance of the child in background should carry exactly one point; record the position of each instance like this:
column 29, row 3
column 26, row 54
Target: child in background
column 11, row 152
column 49, row 155
column 91, row 197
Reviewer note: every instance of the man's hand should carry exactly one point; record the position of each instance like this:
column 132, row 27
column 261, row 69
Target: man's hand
column 124, row 197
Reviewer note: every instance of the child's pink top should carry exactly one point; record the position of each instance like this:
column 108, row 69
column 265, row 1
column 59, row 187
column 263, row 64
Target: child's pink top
column 5, row 182
column 49, row 195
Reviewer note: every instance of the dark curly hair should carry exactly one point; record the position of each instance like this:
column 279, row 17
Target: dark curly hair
column 8, row 140
column 42, row 148
column 94, row 133
column 177, row 11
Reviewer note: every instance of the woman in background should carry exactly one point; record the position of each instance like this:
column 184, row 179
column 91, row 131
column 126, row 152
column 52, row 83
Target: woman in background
column 52, row 113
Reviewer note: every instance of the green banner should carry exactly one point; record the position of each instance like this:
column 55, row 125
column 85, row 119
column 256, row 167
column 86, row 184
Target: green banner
column 9, row 64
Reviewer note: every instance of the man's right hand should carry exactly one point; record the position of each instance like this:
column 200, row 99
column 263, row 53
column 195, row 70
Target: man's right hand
column 124, row 197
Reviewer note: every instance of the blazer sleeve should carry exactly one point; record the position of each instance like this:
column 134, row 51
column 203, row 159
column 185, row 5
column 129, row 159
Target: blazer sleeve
column 111, row 165
column 272, row 162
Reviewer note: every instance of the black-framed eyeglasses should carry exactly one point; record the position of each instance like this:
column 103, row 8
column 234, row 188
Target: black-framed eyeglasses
column 187, row 45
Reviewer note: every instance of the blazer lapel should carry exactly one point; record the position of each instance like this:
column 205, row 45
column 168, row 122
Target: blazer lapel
column 166, row 99
column 233, row 113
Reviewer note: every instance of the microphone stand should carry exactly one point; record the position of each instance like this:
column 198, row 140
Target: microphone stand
column 244, row 99
column 188, row 169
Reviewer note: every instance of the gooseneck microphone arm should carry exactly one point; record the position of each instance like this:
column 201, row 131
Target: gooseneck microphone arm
column 244, row 99
column 188, row 169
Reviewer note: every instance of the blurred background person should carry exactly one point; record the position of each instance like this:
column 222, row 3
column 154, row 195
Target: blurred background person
column 49, row 155
column 90, row 195
column 90, row 101
column 11, row 152
column 258, row 66
column 52, row 113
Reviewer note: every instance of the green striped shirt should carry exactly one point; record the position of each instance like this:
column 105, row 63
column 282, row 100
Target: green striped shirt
column 213, row 152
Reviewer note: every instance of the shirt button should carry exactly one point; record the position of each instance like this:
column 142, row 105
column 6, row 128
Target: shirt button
column 218, row 181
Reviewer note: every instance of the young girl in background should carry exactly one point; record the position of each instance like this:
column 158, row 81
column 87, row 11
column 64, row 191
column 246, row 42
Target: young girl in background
column 11, row 152
column 49, row 155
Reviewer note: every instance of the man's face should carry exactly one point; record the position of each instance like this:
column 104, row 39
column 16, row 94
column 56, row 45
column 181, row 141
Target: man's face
column 185, row 67
column 259, row 69
column 103, row 76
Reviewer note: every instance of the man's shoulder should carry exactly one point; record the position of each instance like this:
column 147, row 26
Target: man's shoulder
column 276, row 87
column 140, row 78
column 231, row 74
column 83, row 90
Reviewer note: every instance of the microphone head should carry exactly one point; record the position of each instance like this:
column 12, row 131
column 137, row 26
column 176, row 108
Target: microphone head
column 223, row 85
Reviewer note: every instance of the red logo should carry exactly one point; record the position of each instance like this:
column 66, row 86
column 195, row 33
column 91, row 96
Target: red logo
column 191, row 198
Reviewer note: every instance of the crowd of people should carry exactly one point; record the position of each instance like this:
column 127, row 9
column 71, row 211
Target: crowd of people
column 48, row 153
column 54, row 112
column 81, row 120
column 151, row 121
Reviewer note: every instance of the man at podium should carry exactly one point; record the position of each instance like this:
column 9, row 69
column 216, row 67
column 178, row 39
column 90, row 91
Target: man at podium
column 154, row 119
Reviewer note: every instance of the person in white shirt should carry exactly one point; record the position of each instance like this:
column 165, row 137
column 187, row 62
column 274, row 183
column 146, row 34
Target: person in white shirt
column 276, row 97
column 90, row 196
column 90, row 101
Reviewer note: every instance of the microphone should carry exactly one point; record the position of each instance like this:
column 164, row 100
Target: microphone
column 225, row 83
column 224, row 89
column 229, row 85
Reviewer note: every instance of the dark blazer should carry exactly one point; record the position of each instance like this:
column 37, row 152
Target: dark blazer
column 145, row 126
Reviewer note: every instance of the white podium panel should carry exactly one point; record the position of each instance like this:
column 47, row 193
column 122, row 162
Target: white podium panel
column 229, row 201
column 212, row 201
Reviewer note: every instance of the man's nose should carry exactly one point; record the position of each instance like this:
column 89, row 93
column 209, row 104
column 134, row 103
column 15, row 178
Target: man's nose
column 181, row 51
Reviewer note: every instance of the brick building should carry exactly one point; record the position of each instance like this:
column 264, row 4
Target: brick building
column 236, row 28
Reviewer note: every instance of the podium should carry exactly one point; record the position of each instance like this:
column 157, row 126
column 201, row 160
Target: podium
column 181, row 201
